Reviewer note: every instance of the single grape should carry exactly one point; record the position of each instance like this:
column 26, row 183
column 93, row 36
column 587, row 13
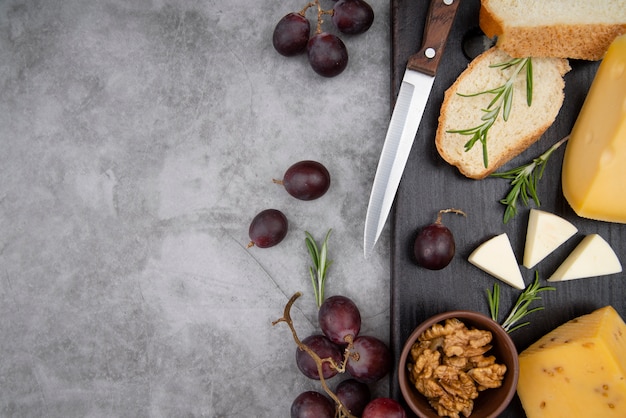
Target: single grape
column 340, row 319
column 352, row 16
column 383, row 408
column 312, row 404
column 291, row 34
column 434, row 245
column 369, row 359
column 354, row 395
column 268, row 228
column 306, row 180
column 327, row 54
column 324, row 348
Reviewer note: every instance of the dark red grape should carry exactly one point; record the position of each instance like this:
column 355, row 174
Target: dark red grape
column 324, row 348
column 268, row 228
column 339, row 318
column 291, row 34
column 327, row 54
column 383, row 408
column 369, row 359
column 352, row 16
column 354, row 395
column 312, row 404
column 434, row 245
column 306, row 180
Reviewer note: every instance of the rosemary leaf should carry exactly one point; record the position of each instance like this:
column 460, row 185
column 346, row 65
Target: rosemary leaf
column 321, row 263
column 494, row 301
column 529, row 82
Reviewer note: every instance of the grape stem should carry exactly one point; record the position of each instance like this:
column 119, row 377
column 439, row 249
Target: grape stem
column 342, row 411
column 320, row 13
column 451, row 210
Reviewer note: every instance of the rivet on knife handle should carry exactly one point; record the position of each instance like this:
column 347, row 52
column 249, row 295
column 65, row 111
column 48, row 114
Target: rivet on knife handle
column 438, row 24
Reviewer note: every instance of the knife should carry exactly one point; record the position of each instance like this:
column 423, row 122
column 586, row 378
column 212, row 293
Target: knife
column 405, row 119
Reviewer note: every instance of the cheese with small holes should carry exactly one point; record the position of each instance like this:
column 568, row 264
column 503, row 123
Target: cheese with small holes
column 577, row 370
column 594, row 165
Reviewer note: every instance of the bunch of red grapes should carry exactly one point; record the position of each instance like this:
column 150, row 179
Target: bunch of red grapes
column 326, row 52
column 365, row 358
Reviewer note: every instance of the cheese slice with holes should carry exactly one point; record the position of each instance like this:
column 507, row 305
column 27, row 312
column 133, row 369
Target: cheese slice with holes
column 593, row 257
column 495, row 256
column 594, row 165
column 578, row 370
column 546, row 232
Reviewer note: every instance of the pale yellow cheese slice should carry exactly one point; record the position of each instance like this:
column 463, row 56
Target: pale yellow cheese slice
column 495, row 256
column 545, row 233
column 594, row 166
column 578, row 370
column 593, row 257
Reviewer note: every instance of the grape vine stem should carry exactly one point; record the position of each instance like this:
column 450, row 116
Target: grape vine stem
column 342, row 411
column 320, row 13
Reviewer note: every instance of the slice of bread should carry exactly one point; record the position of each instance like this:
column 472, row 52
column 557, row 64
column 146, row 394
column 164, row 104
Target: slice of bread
column 505, row 139
column 577, row 29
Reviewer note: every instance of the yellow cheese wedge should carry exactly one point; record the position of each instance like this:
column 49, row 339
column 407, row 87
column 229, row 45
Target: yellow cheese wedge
column 578, row 370
column 545, row 233
column 594, row 166
column 593, row 257
column 495, row 256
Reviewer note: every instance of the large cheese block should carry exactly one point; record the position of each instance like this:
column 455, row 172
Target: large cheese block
column 594, row 166
column 578, row 370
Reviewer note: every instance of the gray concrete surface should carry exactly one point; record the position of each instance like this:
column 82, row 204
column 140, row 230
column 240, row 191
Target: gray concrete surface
column 138, row 139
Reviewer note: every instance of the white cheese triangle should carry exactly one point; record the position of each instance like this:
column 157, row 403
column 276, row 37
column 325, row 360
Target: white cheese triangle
column 593, row 257
column 546, row 232
column 495, row 256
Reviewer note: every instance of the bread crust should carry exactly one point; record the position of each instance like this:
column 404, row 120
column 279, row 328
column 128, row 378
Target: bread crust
column 450, row 145
column 576, row 41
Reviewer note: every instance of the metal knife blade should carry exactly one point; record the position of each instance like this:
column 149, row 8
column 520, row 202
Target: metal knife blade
column 406, row 117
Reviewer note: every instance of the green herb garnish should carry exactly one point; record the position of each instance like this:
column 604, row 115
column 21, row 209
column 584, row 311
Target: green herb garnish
column 520, row 309
column 320, row 260
column 502, row 100
column 524, row 181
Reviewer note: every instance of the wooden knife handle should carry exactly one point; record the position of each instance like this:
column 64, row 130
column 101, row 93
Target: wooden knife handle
column 438, row 24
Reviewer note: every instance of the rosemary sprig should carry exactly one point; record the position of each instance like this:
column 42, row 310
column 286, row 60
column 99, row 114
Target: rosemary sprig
column 319, row 258
column 502, row 101
column 520, row 309
column 524, row 181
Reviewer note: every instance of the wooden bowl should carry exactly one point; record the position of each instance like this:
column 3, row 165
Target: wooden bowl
column 489, row 403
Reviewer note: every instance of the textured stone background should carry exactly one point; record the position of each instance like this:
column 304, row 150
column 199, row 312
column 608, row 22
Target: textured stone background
column 138, row 139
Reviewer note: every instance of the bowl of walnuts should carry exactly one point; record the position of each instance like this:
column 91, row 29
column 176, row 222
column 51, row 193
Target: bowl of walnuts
column 458, row 364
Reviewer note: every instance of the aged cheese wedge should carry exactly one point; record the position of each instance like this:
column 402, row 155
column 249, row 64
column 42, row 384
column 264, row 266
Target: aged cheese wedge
column 594, row 165
column 546, row 232
column 578, row 370
column 495, row 256
column 593, row 257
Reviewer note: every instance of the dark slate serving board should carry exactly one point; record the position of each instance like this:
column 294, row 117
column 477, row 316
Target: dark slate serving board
column 429, row 184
